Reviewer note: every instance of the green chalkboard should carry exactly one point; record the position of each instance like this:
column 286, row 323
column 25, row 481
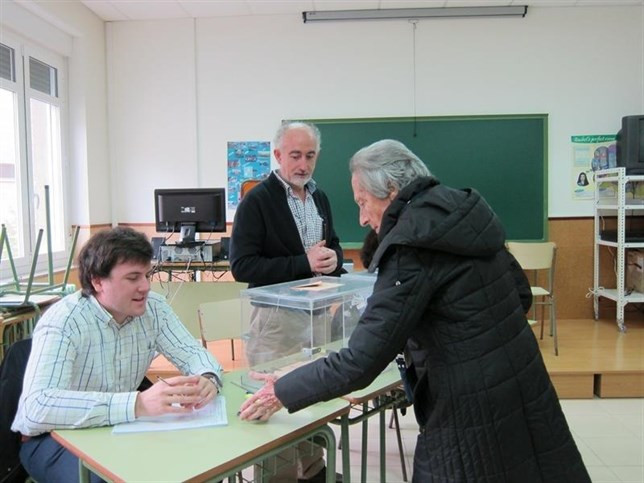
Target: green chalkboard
column 503, row 157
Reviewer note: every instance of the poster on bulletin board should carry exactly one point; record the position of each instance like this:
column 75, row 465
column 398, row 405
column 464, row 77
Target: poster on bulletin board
column 246, row 160
column 590, row 153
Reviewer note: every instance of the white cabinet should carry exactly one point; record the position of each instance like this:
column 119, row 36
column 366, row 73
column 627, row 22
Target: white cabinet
column 619, row 201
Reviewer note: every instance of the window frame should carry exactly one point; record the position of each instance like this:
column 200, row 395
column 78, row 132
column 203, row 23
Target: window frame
column 23, row 50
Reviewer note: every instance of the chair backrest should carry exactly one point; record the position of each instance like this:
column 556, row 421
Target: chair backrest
column 248, row 185
column 533, row 256
column 220, row 320
column 12, row 371
column 185, row 297
column 536, row 256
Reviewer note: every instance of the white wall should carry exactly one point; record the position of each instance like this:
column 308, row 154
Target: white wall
column 581, row 66
column 152, row 113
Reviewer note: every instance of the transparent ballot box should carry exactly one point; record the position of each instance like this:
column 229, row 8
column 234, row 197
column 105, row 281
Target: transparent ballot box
column 290, row 324
column 361, row 275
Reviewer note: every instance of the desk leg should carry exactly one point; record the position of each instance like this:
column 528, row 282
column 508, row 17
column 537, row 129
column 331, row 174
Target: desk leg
column 323, row 435
column 403, row 465
column 382, row 443
column 329, row 436
column 346, row 455
column 365, row 436
column 83, row 472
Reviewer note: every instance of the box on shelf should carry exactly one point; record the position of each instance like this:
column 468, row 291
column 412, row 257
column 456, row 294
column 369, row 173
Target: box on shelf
column 635, row 271
column 607, row 193
column 290, row 324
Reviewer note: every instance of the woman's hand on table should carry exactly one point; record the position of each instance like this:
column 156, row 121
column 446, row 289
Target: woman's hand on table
column 263, row 404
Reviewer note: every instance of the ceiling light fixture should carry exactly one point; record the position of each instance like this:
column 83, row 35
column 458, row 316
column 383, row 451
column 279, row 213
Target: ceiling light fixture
column 412, row 13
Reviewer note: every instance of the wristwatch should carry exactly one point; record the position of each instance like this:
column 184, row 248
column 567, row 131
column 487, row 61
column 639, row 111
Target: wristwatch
column 216, row 380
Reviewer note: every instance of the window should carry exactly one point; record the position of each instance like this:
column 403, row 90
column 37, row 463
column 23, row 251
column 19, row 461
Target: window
column 32, row 84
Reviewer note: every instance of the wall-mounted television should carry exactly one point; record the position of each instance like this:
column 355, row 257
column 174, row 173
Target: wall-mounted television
column 630, row 144
column 189, row 211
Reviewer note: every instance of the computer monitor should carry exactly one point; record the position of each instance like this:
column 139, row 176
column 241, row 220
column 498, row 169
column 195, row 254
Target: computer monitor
column 630, row 145
column 190, row 211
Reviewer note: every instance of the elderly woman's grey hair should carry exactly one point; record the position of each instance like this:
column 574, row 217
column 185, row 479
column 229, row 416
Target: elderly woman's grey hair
column 385, row 166
column 288, row 125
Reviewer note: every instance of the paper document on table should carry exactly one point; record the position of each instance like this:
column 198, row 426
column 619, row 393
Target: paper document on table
column 214, row 414
column 315, row 286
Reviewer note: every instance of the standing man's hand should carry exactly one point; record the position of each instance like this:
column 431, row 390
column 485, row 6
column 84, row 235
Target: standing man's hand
column 322, row 259
column 173, row 395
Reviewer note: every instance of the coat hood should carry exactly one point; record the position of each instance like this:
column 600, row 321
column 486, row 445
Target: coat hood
column 426, row 214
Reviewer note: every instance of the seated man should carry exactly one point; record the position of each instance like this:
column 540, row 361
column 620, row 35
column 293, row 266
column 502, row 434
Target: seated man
column 92, row 349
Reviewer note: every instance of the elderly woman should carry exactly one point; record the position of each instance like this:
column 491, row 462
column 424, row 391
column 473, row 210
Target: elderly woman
column 449, row 294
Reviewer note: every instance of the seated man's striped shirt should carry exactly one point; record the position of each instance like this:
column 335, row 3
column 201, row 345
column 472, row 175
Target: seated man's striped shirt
column 84, row 367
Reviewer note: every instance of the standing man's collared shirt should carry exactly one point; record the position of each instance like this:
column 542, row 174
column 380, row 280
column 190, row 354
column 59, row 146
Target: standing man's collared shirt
column 85, row 368
column 310, row 224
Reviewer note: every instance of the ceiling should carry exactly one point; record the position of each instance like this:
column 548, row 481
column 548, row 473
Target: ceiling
column 115, row 10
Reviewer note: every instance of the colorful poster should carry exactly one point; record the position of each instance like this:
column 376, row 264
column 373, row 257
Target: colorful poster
column 589, row 154
column 246, row 160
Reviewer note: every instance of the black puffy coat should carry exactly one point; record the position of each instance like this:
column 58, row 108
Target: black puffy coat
column 447, row 294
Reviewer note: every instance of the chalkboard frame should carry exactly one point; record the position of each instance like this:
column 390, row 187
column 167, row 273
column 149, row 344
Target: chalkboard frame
column 517, row 192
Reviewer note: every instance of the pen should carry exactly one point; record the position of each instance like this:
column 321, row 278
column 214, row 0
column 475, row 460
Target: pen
column 244, row 388
column 324, row 237
column 159, row 378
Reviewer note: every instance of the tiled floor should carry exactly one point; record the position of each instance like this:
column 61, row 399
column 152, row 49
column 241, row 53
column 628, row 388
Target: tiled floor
column 610, row 437
column 609, row 434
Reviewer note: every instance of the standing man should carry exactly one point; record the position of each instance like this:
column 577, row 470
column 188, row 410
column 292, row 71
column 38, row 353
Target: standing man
column 91, row 351
column 283, row 228
column 283, row 231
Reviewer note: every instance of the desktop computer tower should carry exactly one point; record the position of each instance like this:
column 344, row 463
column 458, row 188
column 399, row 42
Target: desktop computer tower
column 224, row 249
column 156, row 242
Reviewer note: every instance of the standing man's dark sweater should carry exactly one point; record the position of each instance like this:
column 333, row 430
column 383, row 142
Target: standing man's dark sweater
column 266, row 247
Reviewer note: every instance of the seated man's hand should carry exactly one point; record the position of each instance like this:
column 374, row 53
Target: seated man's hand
column 322, row 259
column 263, row 404
column 207, row 390
column 173, row 395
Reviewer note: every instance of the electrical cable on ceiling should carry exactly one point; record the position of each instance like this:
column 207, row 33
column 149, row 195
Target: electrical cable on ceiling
column 414, row 22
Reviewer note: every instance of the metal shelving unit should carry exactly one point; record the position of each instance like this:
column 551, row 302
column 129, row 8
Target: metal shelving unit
column 610, row 199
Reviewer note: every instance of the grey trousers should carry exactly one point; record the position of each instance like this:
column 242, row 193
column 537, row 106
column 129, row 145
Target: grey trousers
column 277, row 332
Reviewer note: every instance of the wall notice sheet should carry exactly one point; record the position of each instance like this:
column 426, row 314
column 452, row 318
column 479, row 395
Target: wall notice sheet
column 213, row 414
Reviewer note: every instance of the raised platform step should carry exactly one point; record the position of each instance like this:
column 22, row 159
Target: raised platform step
column 595, row 359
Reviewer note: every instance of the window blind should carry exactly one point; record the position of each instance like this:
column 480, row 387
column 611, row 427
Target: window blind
column 7, row 63
column 43, row 77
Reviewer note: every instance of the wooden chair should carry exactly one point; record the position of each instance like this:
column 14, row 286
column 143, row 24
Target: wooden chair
column 538, row 260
